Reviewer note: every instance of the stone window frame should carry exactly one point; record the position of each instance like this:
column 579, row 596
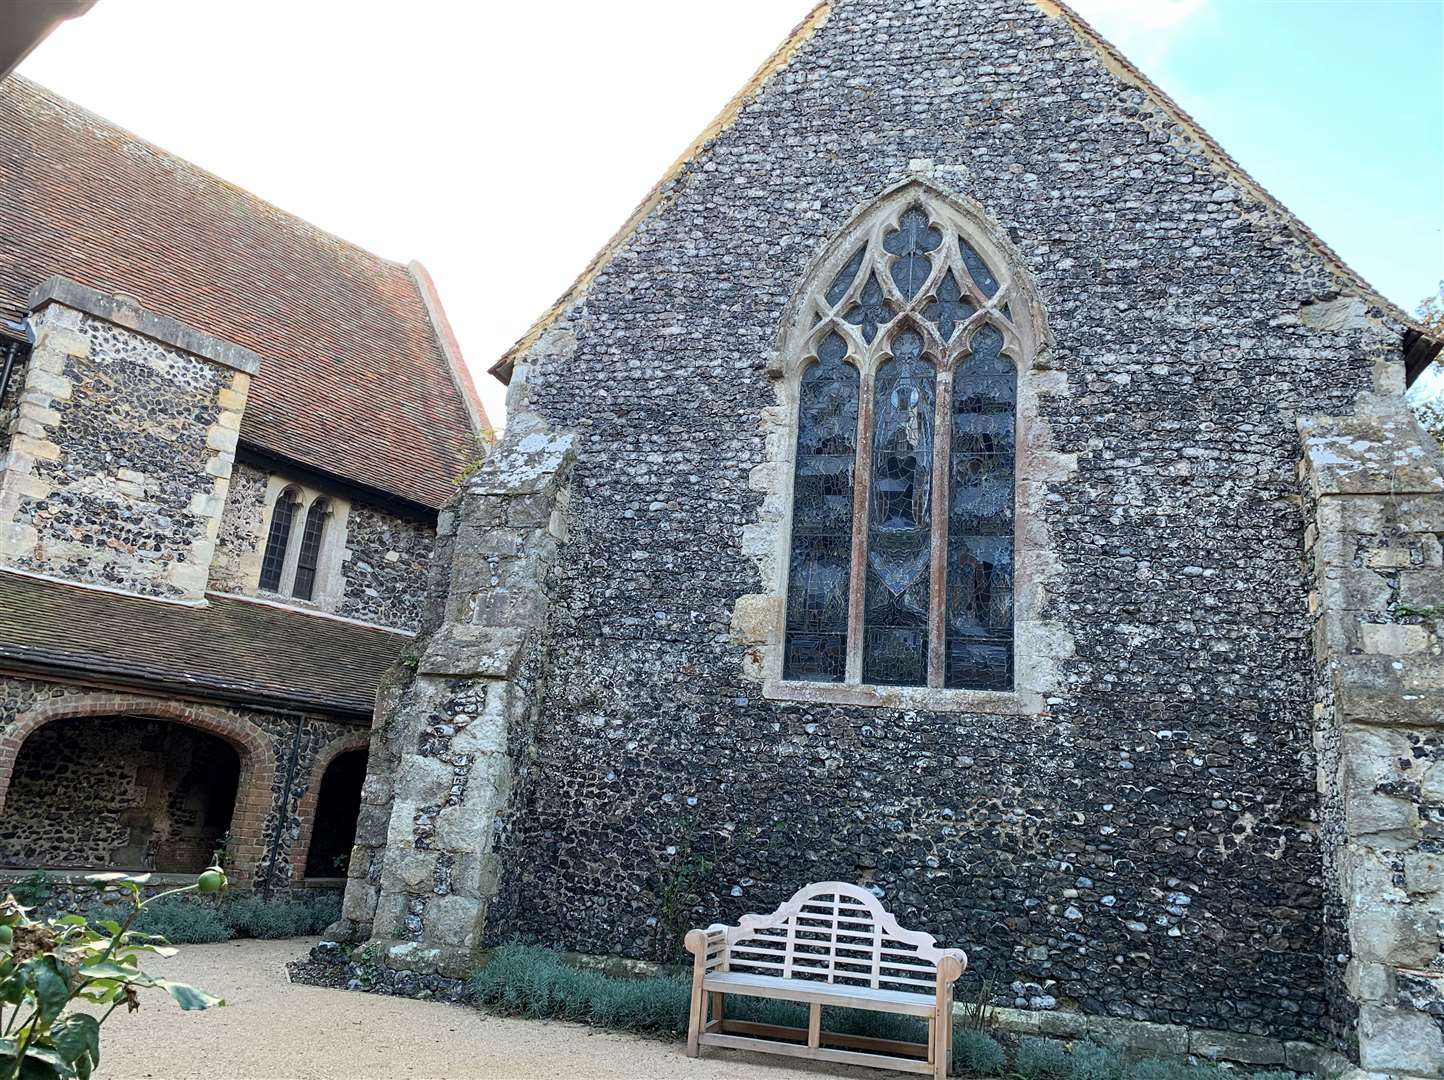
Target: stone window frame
column 330, row 584
column 759, row 622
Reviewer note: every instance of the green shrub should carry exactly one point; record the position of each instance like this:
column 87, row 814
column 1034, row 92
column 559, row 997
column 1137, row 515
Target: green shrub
column 1169, row 1068
column 1041, row 1059
column 180, row 920
column 280, row 917
column 33, row 889
column 977, row 1053
column 199, row 921
column 1094, row 1062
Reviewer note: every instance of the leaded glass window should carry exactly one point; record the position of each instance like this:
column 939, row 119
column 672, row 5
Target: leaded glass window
column 309, row 554
column 273, row 562
column 900, row 571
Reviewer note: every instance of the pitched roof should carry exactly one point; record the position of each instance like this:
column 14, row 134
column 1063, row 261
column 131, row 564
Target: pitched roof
column 354, row 379
column 229, row 648
column 1420, row 346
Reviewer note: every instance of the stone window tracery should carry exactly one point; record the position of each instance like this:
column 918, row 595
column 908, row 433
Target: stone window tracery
column 901, row 557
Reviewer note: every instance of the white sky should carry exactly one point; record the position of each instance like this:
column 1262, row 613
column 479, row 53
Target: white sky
column 499, row 144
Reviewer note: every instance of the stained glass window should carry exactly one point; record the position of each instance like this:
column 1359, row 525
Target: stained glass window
column 310, row 551
column 980, row 519
column 273, row 562
column 822, row 494
column 899, row 534
column 902, row 549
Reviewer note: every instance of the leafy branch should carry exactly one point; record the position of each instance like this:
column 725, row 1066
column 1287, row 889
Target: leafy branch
column 47, row 966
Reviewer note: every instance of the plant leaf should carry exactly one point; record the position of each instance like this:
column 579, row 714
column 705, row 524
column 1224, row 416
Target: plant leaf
column 77, row 1036
column 111, row 970
column 187, row 996
column 52, row 992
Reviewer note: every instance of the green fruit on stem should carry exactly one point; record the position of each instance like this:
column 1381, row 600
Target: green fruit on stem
column 7, row 934
column 212, row 881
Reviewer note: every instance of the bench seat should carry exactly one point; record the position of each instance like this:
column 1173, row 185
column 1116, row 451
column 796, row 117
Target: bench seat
column 851, row 997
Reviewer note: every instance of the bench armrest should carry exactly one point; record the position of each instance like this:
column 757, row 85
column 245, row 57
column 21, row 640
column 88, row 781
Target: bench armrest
column 709, row 946
column 951, row 965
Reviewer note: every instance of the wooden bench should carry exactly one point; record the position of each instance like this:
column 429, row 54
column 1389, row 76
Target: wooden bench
column 831, row 944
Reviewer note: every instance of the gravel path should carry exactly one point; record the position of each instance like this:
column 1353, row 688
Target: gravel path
column 273, row 1030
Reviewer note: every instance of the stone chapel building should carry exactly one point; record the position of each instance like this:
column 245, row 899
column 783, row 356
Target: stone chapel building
column 959, row 477
column 224, row 438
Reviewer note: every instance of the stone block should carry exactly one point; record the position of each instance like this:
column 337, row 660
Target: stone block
column 1400, row 1040
column 1400, row 935
column 1423, row 872
column 1138, row 1035
column 754, row 618
column 52, row 386
column 1393, row 639
column 1431, row 786
column 1229, row 1046
column 231, row 400
column 221, row 439
column 480, row 651
column 455, row 921
column 466, row 827
column 1369, row 814
column 425, row 781
column 1368, row 981
column 29, row 445
column 1354, row 589
column 480, row 737
column 1421, row 589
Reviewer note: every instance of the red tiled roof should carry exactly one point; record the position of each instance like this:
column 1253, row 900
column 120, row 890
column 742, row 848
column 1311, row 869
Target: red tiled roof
column 353, row 379
column 234, row 649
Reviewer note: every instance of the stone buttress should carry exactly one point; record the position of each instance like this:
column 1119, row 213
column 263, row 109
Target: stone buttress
column 454, row 719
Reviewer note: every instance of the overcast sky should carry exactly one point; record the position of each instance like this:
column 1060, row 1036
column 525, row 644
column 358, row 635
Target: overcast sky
column 502, row 144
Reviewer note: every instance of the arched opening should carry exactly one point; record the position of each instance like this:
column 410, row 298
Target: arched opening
column 119, row 793
column 338, row 805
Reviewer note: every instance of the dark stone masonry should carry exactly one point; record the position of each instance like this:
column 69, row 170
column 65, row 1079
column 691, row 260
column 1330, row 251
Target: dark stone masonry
column 386, row 567
column 1136, row 830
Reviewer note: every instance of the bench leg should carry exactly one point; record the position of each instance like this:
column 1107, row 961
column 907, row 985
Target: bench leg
column 814, row 1025
column 697, row 1014
column 718, row 1008
column 941, row 1036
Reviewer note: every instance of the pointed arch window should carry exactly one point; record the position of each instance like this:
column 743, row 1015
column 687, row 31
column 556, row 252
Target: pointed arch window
column 309, row 555
column 904, row 364
column 273, row 562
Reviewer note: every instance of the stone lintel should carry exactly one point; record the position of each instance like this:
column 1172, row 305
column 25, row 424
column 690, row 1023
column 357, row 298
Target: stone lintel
column 121, row 312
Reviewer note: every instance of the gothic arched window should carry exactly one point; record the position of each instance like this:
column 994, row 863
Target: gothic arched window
column 309, row 555
column 273, row 562
column 900, row 571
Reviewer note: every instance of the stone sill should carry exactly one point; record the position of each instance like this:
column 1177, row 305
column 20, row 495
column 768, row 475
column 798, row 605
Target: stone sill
column 928, row 698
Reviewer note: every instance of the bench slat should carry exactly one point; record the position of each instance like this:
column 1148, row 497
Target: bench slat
column 854, row 997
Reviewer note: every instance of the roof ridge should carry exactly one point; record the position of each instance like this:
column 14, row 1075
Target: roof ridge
column 261, row 204
column 1121, row 68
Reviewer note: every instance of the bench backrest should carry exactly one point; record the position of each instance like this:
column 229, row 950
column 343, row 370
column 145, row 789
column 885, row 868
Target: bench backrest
column 832, row 932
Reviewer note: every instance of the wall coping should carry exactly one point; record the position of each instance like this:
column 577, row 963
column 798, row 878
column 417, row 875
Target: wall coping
column 124, row 312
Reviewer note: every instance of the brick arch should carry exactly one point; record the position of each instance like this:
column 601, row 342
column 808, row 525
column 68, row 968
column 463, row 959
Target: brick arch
column 306, row 810
column 251, row 743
